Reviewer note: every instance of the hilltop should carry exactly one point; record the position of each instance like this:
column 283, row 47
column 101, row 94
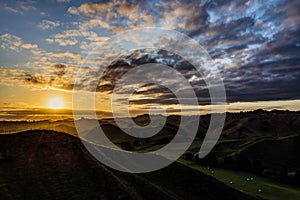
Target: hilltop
column 54, row 165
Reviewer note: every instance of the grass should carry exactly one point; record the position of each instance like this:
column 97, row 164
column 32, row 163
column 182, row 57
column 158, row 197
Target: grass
column 249, row 183
column 274, row 152
column 54, row 165
column 271, row 151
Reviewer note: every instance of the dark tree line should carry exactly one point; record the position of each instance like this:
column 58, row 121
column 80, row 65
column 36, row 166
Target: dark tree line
column 242, row 163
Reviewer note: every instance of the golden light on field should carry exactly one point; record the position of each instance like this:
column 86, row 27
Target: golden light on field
column 56, row 103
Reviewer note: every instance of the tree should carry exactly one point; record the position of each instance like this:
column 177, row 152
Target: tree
column 266, row 173
column 210, row 160
column 283, row 174
column 127, row 146
column 257, row 167
column 196, row 158
column 188, row 156
column 275, row 173
column 228, row 162
column 243, row 163
column 297, row 177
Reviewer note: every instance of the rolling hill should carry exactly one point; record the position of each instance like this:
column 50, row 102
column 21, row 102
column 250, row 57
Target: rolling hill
column 53, row 165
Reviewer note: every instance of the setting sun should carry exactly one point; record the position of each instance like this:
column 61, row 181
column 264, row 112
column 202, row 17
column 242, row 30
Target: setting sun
column 56, row 103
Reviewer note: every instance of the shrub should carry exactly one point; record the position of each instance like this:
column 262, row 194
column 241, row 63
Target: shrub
column 297, row 177
column 228, row 162
column 127, row 146
column 210, row 160
column 257, row 167
column 138, row 143
column 196, row 158
column 283, row 173
column 275, row 173
column 243, row 163
column 188, row 156
column 266, row 173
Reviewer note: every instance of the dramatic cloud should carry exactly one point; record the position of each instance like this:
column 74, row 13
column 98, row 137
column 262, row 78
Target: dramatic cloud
column 20, row 7
column 15, row 43
column 255, row 46
column 47, row 24
column 70, row 37
column 254, row 49
column 100, row 15
column 58, row 76
column 188, row 16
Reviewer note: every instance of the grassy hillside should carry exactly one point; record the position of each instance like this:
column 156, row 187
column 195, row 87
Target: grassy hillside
column 53, row 165
column 261, row 123
column 249, row 183
column 46, row 164
column 271, row 151
column 274, row 152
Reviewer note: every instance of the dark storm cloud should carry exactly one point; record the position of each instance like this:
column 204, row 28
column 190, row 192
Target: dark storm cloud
column 257, row 46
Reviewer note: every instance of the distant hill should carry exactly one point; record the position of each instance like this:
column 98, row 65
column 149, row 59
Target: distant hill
column 246, row 124
column 261, row 123
column 241, row 125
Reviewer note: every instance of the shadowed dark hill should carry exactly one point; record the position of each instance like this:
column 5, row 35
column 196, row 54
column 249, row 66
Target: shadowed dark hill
column 245, row 125
column 275, row 152
column 53, row 165
column 261, row 123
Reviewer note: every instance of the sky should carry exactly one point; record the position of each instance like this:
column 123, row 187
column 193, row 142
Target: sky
column 255, row 46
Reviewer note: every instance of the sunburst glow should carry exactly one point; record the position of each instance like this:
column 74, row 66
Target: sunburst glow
column 56, row 103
